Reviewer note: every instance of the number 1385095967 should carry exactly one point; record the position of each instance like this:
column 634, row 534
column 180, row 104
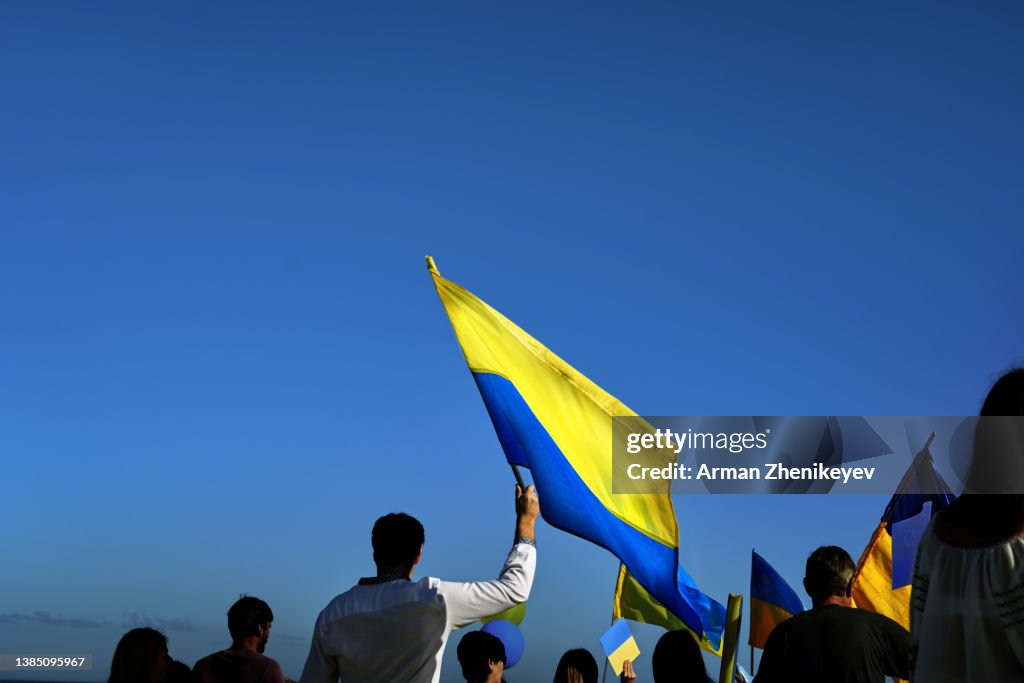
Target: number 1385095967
column 24, row 662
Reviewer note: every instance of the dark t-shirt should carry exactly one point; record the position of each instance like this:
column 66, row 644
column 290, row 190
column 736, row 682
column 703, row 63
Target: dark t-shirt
column 236, row 666
column 835, row 644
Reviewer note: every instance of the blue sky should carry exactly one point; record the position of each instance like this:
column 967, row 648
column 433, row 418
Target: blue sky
column 222, row 356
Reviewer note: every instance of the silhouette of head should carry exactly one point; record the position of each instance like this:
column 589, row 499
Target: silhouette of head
column 828, row 574
column 997, row 465
column 576, row 666
column 482, row 656
column 677, row 659
column 1006, row 397
column 140, row 657
column 250, row 617
column 397, row 540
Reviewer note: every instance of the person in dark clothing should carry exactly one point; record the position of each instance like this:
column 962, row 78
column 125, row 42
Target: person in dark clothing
column 834, row 641
column 178, row 672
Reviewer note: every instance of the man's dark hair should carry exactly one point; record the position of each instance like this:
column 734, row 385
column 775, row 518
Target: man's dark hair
column 397, row 539
column 476, row 650
column 246, row 616
column 829, row 572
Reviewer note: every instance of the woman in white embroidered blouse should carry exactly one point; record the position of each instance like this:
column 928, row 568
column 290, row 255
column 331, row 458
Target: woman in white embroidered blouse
column 967, row 602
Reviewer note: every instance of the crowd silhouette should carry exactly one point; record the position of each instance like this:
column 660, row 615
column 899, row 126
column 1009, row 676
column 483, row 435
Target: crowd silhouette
column 967, row 604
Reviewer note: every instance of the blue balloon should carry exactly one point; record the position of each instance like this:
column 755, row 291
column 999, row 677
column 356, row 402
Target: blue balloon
column 510, row 636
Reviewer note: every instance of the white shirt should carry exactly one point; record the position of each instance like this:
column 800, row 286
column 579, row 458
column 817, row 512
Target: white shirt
column 396, row 631
column 967, row 612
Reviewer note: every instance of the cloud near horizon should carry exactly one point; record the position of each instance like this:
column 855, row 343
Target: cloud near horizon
column 140, row 619
column 129, row 621
column 51, row 618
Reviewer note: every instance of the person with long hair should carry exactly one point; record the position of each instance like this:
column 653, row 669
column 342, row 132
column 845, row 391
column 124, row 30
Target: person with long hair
column 576, row 666
column 140, row 657
column 579, row 666
column 677, row 659
column 967, row 599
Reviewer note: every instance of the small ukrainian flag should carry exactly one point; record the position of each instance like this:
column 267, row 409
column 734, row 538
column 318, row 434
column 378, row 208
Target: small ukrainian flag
column 619, row 645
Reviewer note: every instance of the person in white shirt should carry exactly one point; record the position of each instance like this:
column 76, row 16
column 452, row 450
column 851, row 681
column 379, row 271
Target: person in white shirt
column 967, row 600
column 391, row 628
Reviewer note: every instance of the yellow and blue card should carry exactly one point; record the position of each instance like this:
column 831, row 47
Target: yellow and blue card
column 619, row 645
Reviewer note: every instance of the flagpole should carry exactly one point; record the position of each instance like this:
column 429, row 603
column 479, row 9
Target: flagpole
column 750, row 608
column 913, row 468
column 730, row 638
column 618, row 576
column 519, row 476
column 604, row 674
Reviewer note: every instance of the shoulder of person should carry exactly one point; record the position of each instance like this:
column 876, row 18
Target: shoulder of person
column 796, row 620
column 882, row 621
column 781, row 632
column 276, row 673
column 340, row 598
column 205, row 661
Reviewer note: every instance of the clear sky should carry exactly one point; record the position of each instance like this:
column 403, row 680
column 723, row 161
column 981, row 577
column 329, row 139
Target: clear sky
column 221, row 355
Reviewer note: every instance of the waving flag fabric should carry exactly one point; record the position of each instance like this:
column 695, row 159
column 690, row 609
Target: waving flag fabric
column 631, row 601
column 772, row 600
column 873, row 582
column 556, row 422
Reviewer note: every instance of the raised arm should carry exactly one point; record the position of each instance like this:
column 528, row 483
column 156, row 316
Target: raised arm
column 527, row 510
column 467, row 602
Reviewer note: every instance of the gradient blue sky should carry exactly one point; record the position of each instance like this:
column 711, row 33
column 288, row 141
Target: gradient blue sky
column 222, row 357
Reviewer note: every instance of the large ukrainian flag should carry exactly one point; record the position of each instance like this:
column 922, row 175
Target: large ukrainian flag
column 873, row 583
column 556, row 422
